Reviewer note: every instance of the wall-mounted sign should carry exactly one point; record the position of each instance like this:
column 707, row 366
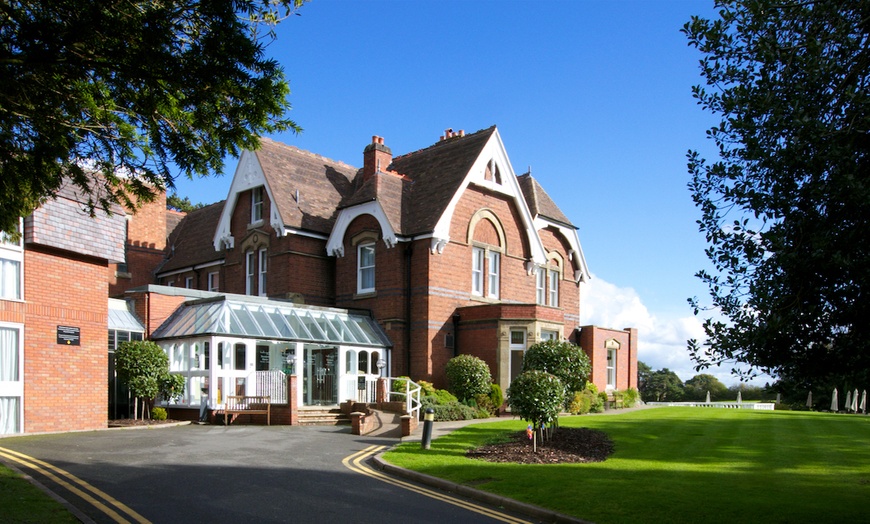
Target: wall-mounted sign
column 69, row 335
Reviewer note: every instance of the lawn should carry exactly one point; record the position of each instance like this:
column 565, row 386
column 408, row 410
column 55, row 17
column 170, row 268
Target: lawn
column 680, row 465
column 23, row 502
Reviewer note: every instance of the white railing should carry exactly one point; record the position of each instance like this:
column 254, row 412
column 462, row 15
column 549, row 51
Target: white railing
column 272, row 383
column 761, row 406
column 411, row 395
column 369, row 391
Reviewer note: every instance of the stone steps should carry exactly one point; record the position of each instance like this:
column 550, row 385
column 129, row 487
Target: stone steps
column 322, row 417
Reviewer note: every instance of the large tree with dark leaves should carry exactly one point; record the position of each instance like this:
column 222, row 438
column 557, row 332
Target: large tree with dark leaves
column 786, row 207
column 122, row 96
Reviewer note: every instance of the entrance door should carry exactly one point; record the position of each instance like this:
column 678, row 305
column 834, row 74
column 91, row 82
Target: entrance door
column 321, row 376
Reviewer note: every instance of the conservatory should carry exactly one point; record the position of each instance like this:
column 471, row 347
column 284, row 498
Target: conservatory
column 243, row 345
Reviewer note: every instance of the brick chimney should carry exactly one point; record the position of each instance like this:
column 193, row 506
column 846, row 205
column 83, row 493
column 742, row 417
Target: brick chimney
column 376, row 157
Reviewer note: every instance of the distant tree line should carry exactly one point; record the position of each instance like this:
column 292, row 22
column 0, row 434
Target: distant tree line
column 663, row 385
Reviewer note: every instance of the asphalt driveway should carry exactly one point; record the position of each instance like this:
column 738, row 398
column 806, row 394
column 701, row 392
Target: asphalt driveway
column 196, row 473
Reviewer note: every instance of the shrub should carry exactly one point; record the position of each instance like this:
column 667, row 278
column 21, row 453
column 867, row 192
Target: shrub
column 468, row 376
column 454, row 411
column 581, row 402
column 536, row 397
column 496, row 396
column 563, row 359
column 484, row 403
column 630, row 397
column 400, row 384
column 443, row 396
column 599, row 404
column 158, row 413
column 426, row 388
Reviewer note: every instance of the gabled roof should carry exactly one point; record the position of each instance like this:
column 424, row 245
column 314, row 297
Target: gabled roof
column 436, row 173
column 321, row 184
column 190, row 243
column 539, row 201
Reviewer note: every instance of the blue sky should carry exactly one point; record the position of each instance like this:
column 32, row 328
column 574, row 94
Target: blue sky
column 595, row 96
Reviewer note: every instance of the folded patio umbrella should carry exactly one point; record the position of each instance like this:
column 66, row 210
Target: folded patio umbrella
column 834, row 402
column 810, row 400
column 848, row 405
column 855, row 401
column 864, row 402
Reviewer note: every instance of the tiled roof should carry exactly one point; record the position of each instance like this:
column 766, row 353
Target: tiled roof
column 435, row 174
column 321, row 184
column 539, row 201
column 191, row 242
column 173, row 218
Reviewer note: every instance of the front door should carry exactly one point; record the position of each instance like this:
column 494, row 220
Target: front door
column 321, row 376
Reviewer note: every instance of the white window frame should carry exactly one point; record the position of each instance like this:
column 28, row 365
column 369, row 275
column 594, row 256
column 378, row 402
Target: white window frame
column 364, row 270
column 188, row 282
column 611, row 369
column 553, row 291
column 261, row 275
column 493, row 274
column 214, row 281
column 15, row 388
column 250, row 268
column 540, row 286
column 477, row 271
column 257, row 204
column 12, row 267
column 549, row 334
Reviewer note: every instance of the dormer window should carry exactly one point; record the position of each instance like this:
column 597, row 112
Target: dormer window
column 257, row 204
column 366, row 268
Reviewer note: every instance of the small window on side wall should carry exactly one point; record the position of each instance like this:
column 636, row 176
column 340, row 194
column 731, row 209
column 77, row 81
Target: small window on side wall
column 366, row 268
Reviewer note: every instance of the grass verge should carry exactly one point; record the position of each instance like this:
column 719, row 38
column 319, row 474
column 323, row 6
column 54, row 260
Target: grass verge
column 680, row 465
column 23, row 502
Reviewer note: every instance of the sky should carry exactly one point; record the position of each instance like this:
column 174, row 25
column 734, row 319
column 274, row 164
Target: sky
column 593, row 96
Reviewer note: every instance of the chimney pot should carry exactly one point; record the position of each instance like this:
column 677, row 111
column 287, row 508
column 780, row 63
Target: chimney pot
column 374, row 139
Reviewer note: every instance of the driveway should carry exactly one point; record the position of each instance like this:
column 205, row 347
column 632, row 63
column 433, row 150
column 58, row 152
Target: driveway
column 196, row 473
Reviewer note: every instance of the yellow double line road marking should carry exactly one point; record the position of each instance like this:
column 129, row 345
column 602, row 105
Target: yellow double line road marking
column 356, row 462
column 55, row 474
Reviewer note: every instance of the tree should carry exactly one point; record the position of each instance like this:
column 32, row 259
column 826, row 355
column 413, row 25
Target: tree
column 144, row 367
column 468, row 376
column 663, row 385
column 562, row 359
column 537, row 397
column 784, row 209
column 177, row 203
column 115, row 98
column 696, row 388
column 643, row 373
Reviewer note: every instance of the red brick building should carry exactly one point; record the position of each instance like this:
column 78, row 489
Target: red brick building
column 54, row 317
column 337, row 273
column 447, row 247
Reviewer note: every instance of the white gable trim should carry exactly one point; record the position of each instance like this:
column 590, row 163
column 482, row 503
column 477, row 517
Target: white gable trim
column 249, row 174
column 575, row 255
column 493, row 151
column 335, row 244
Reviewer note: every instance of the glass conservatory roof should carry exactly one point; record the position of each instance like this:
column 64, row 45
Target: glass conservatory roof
column 271, row 319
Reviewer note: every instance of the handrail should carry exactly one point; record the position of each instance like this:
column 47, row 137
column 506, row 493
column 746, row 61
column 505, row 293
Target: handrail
column 411, row 394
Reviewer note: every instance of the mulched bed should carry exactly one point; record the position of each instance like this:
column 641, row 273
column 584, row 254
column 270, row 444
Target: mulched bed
column 568, row 445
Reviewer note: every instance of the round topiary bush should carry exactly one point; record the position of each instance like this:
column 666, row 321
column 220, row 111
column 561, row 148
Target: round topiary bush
column 536, row 397
column 563, row 359
column 468, row 376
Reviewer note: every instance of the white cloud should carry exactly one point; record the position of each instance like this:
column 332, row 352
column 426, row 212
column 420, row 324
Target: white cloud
column 661, row 341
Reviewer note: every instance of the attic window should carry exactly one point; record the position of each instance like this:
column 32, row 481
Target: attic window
column 492, row 173
column 257, row 204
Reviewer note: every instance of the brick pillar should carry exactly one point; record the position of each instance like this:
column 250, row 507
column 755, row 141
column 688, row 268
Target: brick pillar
column 381, row 392
column 292, row 400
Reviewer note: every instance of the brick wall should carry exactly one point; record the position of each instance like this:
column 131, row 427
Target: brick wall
column 593, row 340
column 65, row 386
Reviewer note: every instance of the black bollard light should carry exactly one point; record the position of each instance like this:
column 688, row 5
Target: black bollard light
column 428, row 419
